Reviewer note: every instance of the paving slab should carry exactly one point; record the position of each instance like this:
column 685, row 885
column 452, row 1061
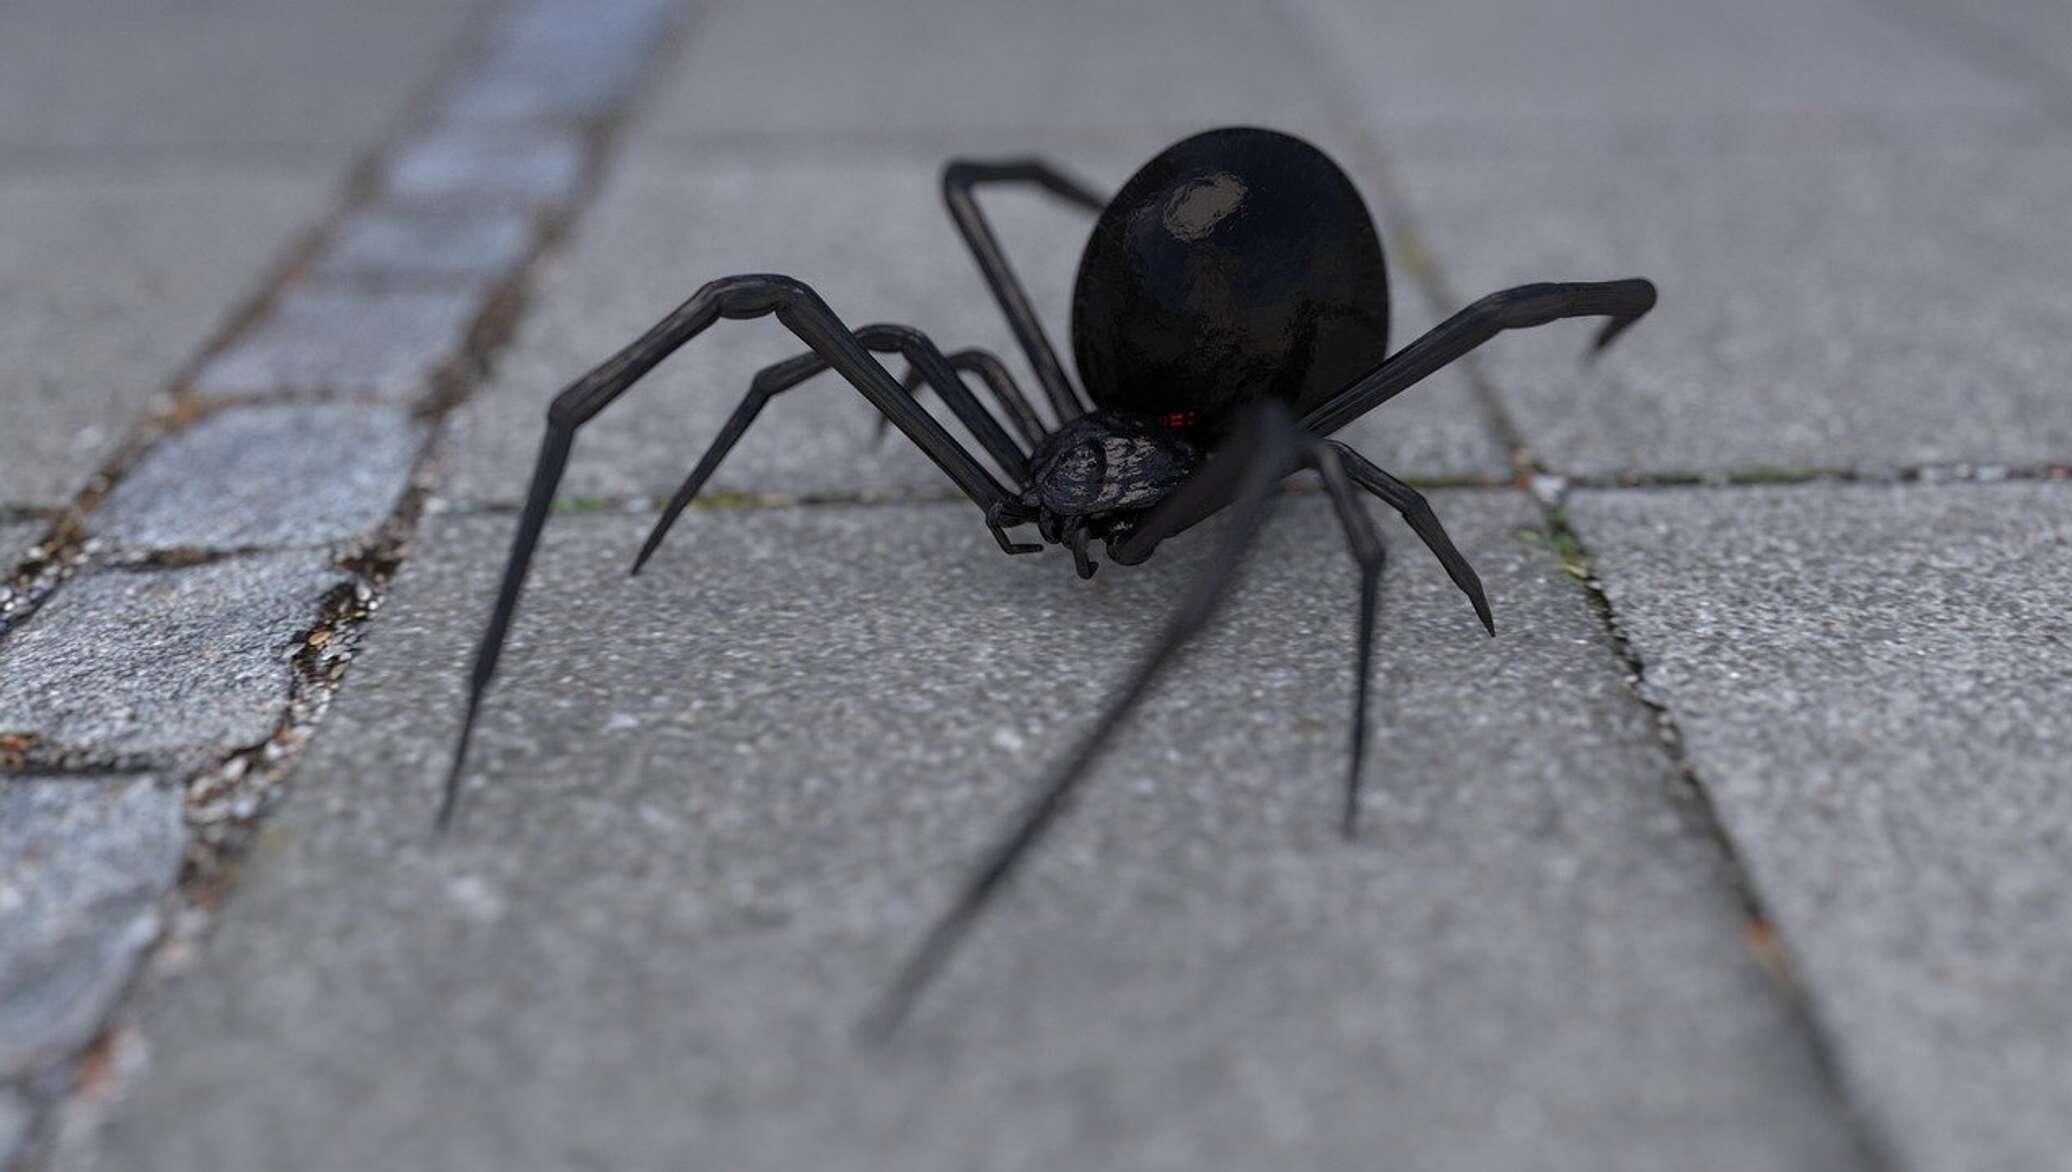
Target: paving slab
column 987, row 75
column 321, row 338
column 871, row 235
column 710, row 815
column 382, row 243
column 471, row 167
column 1873, row 684
column 316, row 79
column 164, row 664
column 1851, row 308
column 111, row 279
column 560, row 59
column 272, row 477
column 85, row 863
column 1427, row 71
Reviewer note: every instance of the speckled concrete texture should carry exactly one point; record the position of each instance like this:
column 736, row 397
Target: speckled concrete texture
column 712, row 805
column 1863, row 308
column 112, row 279
column 1875, row 688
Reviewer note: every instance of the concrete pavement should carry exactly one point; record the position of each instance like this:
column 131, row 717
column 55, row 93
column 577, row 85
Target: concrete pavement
column 1739, row 847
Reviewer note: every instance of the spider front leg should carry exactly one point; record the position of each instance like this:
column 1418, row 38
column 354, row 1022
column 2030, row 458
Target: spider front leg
column 1417, row 513
column 752, row 295
column 779, row 377
column 1624, row 302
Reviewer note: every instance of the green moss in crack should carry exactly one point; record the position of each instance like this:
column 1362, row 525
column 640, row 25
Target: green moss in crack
column 726, row 499
column 1561, row 541
column 1768, row 474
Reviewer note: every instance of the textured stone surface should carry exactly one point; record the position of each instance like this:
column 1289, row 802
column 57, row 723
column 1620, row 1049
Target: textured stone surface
column 1859, row 308
column 871, row 235
column 111, row 279
column 84, row 863
column 308, row 77
column 483, row 244
column 712, row 814
column 556, row 59
column 345, row 340
column 1875, row 687
column 989, row 76
column 465, row 167
column 265, row 477
column 166, row 663
column 1437, row 72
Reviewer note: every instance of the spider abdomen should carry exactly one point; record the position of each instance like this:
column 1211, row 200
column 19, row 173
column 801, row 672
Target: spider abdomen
column 1237, row 265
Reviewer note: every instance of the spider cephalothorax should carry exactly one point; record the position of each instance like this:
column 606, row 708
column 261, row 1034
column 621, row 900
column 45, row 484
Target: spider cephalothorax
column 1230, row 314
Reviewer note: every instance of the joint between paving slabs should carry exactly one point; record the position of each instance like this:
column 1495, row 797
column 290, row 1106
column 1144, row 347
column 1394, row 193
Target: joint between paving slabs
column 1688, row 793
column 1760, row 933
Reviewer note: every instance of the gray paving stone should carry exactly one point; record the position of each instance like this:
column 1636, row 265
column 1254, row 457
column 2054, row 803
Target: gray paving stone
column 265, row 477
column 110, row 280
column 84, row 864
column 560, row 59
column 309, row 77
column 320, row 338
column 1845, row 308
column 1428, row 70
column 1873, row 683
column 975, row 73
column 713, row 814
column 469, row 168
column 164, row 664
column 871, row 234
column 381, row 243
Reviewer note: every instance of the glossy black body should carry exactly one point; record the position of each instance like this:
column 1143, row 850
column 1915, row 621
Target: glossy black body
column 1239, row 264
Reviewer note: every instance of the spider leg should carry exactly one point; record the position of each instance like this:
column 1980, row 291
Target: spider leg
column 1424, row 522
column 1370, row 555
column 779, row 377
column 1624, row 302
column 959, row 179
column 1511, row 309
column 986, row 365
column 751, row 295
column 1075, row 540
column 1258, row 455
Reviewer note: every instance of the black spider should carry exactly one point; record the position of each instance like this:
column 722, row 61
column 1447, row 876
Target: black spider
column 1232, row 300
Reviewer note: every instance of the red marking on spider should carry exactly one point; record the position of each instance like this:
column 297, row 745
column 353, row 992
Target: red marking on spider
column 1180, row 420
